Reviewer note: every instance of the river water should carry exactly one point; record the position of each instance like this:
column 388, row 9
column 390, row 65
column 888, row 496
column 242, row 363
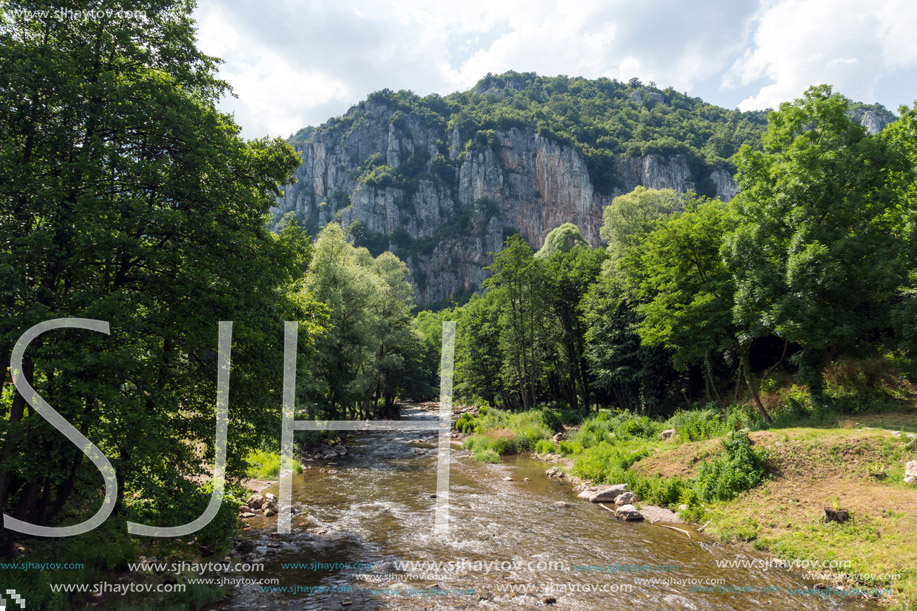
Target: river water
column 375, row 510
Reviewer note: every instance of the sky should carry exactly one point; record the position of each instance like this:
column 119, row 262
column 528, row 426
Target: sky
column 294, row 63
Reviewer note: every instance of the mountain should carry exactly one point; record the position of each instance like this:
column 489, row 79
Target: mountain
column 443, row 180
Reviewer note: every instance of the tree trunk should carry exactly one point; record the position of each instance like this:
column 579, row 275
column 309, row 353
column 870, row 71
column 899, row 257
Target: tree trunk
column 709, row 372
column 751, row 386
column 16, row 413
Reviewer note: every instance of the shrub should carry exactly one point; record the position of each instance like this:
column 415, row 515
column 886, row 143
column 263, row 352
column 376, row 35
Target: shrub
column 487, row 456
column 606, row 463
column 266, row 465
column 593, row 432
column 465, row 423
column 544, row 447
column 728, row 475
column 696, row 425
column 501, row 441
column 657, row 490
column 569, row 447
column 636, row 426
column 552, row 419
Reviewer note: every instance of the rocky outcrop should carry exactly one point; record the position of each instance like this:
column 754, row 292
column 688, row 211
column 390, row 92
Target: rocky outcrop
column 875, row 122
column 444, row 202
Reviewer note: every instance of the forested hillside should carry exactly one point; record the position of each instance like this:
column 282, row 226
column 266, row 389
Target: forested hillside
column 443, row 180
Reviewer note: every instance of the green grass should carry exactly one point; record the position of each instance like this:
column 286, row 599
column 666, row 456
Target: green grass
column 506, row 433
column 266, row 465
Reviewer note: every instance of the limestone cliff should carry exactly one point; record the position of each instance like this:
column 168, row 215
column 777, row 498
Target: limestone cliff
column 443, row 198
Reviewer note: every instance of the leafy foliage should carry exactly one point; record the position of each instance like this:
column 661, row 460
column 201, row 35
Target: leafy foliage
column 741, row 467
column 127, row 197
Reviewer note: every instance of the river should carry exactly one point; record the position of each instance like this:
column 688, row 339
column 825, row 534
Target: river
column 374, row 507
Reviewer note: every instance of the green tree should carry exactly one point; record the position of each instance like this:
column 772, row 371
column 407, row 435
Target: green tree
column 631, row 216
column 902, row 137
column 561, row 239
column 126, row 196
column 478, row 359
column 689, row 290
column 816, row 255
column 568, row 275
column 638, row 377
column 364, row 357
column 518, row 281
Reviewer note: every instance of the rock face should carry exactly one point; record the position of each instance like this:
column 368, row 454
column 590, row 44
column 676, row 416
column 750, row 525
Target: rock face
column 874, row 122
column 457, row 199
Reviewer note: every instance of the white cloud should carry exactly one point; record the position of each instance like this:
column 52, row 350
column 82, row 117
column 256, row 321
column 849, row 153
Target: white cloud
column 847, row 44
column 294, row 63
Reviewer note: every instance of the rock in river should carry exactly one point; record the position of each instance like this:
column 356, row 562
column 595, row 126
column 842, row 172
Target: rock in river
column 603, row 494
column 628, row 512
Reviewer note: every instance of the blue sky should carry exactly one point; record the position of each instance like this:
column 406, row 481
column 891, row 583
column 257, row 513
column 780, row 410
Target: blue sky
column 294, row 63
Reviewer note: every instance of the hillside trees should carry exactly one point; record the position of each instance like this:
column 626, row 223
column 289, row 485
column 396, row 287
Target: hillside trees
column 817, row 255
column 690, row 292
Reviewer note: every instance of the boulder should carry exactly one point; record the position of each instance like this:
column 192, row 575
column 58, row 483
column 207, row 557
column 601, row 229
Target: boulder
column 603, row 494
column 255, row 501
column 628, row 512
column 627, row 498
column 667, row 434
column 270, row 511
column 340, row 450
column 507, row 479
column 910, row 472
column 836, row 515
column 561, row 504
column 554, row 472
column 558, row 437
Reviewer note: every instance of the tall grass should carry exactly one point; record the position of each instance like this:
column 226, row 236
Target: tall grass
column 266, row 465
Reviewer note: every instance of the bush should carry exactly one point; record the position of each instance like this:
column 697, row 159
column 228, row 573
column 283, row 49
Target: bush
column 506, row 433
column 569, row 447
column 605, row 463
column 594, row 431
column 465, row 423
column 487, row 456
column 728, row 475
column 266, row 465
column 657, row 490
column 696, row 425
column 544, row 447
column 636, row 426
column 552, row 419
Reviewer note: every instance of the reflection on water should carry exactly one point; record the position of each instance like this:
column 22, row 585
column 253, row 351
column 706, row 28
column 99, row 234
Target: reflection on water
column 377, row 509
